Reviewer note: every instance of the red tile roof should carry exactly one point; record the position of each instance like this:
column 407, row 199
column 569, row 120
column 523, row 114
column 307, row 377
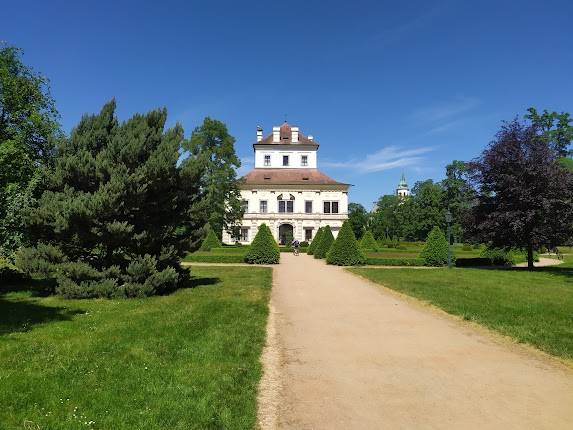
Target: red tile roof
column 288, row 177
column 286, row 138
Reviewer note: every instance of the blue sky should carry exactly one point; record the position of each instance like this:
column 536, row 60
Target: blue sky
column 384, row 86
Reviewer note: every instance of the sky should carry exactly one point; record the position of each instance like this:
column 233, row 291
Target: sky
column 385, row 87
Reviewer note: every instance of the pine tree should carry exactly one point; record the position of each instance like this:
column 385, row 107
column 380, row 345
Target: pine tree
column 264, row 249
column 325, row 243
column 435, row 251
column 368, row 243
column 118, row 212
column 345, row 250
column 314, row 242
column 211, row 240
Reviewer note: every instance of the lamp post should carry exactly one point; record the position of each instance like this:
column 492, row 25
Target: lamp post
column 449, row 222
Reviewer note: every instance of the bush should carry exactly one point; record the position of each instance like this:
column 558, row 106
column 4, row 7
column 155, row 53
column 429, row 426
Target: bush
column 211, row 241
column 435, row 251
column 9, row 273
column 382, row 261
column 264, row 249
column 325, row 243
column 304, row 244
column 314, row 242
column 368, row 243
column 506, row 256
column 210, row 257
column 345, row 250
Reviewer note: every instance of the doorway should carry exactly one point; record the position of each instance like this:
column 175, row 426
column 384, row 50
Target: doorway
column 286, row 234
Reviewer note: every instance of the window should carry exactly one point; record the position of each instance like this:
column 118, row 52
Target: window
column 308, row 234
column 308, row 206
column 244, row 237
column 263, row 206
column 285, row 160
column 330, row 207
column 304, row 160
column 267, row 160
column 245, row 206
column 286, row 206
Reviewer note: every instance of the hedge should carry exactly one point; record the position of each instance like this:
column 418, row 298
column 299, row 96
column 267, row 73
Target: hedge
column 435, row 251
column 314, row 242
column 209, row 257
column 368, row 243
column 325, row 243
column 264, row 249
column 211, row 241
column 345, row 250
column 380, row 261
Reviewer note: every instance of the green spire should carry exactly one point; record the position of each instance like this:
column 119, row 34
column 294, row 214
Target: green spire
column 403, row 183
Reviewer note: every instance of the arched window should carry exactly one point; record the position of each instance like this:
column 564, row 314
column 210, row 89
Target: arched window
column 286, row 203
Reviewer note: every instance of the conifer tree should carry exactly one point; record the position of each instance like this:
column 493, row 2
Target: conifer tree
column 325, row 243
column 368, row 243
column 211, row 240
column 435, row 251
column 345, row 250
column 118, row 212
column 264, row 249
column 314, row 242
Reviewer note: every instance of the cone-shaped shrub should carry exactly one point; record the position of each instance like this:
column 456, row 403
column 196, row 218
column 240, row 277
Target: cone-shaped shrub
column 435, row 251
column 264, row 249
column 368, row 243
column 314, row 242
column 345, row 250
column 325, row 243
column 210, row 241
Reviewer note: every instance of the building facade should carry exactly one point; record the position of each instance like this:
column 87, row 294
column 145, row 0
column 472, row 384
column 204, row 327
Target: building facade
column 403, row 190
column 287, row 192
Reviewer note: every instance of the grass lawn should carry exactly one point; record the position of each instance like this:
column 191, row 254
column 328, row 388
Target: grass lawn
column 532, row 307
column 187, row 360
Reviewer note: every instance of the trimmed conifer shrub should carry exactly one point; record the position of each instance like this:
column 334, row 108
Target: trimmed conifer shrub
column 325, row 243
column 210, row 241
column 264, row 249
column 345, row 250
column 435, row 251
column 368, row 243
column 314, row 242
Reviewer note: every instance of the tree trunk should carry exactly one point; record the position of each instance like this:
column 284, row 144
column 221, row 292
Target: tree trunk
column 530, row 256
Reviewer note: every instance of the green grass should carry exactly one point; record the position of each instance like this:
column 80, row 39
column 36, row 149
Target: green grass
column 533, row 307
column 214, row 257
column 187, row 360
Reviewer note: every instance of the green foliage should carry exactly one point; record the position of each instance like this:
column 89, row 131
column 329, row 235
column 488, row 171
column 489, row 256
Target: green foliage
column 325, row 243
column 567, row 163
column 214, row 257
column 368, row 243
column 359, row 218
column 264, row 249
column 214, row 148
column 211, row 240
column 383, row 261
column 118, row 211
column 435, row 251
column 505, row 256
column 314, row 242
column 28, row 129
column 345, row 250
column 9, row 273
column 556, row 128
column 467, row 247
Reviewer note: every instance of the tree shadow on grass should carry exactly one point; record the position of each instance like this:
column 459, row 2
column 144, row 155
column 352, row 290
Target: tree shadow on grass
column 20, row 315
column 196, row 281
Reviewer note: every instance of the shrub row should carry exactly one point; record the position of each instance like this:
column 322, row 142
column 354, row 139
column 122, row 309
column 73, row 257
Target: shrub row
column 379, row 261
column 200, row 257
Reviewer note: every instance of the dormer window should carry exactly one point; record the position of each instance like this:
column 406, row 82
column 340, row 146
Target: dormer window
column 285, row 160
column 267, row 160
column 304, row 160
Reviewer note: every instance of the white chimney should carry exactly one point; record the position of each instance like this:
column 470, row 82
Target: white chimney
column 310, row 137
column 276, row 134
column 259, row 133
column 294, row 134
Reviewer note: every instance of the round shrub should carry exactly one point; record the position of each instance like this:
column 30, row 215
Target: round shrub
column 264, row 249
column 368, row 243
column 314, row 242
column 211, row 241
column 345, row 250
column 435, row 251
column 325, row 243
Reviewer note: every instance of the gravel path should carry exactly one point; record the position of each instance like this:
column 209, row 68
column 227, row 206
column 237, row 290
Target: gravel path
column 345, row 354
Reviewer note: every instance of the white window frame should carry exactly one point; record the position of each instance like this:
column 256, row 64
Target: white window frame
column 330, row 206
column 266, row 203
column 245, row 205
column 287, row 158
column 266, row 160
column 244, row 234
column 305, row 203
column 304, row 160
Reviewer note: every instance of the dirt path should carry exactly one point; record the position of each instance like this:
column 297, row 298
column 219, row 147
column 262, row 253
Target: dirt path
column 543, row 262
column 345, row 354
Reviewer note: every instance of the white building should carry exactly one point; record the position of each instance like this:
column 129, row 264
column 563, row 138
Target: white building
column 287, row 192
